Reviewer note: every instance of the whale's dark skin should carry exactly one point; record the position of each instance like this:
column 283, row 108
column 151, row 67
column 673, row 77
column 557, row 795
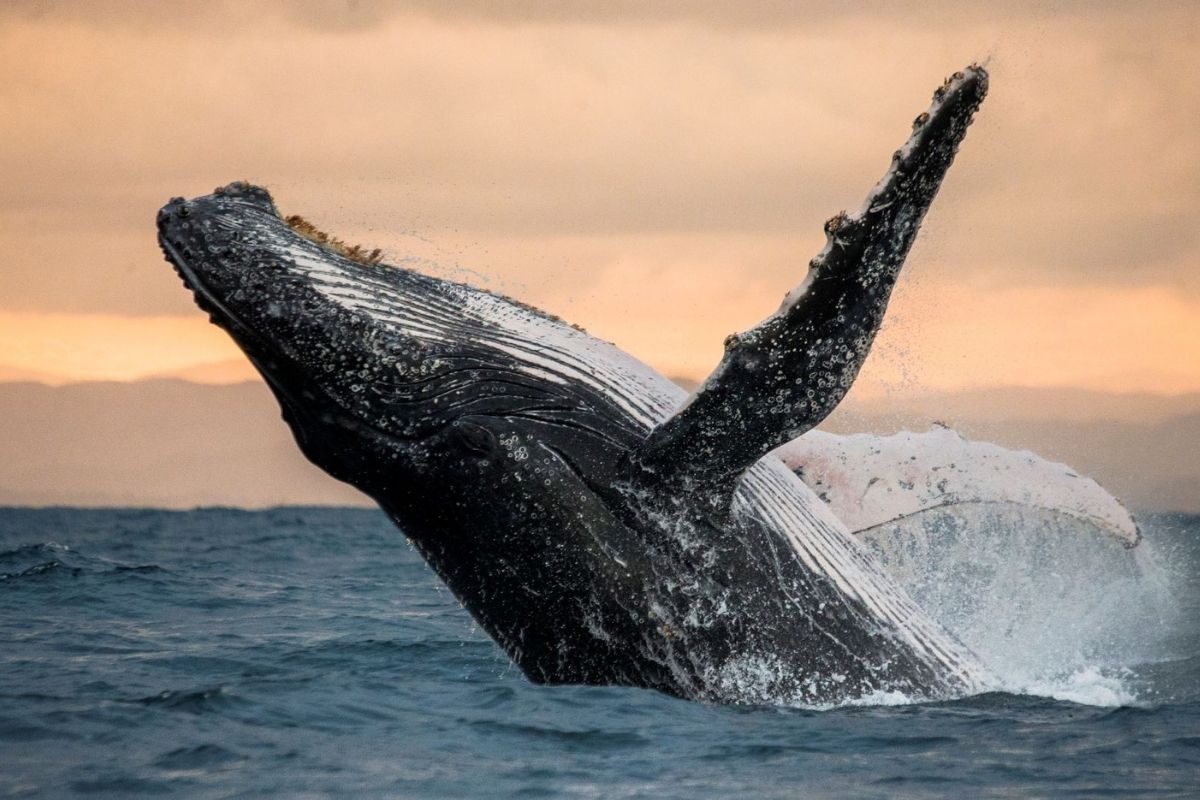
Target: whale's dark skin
column 595, row 535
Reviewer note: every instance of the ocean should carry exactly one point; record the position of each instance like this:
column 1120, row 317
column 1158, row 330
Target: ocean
column 309, row 652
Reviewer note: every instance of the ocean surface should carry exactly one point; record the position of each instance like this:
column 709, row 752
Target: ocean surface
column 310, row 653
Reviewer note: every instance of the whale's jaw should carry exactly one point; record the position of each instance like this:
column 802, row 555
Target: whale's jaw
column 598, row 527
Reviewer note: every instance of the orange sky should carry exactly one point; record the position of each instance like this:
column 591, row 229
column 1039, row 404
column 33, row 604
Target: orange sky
column 657, row 173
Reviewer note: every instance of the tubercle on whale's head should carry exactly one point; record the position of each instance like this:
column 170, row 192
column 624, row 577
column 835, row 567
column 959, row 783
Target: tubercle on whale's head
column 230, row 249
column 273, row 286
column 208, row 240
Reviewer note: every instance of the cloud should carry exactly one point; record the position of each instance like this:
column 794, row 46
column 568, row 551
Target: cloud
column 356, row 15
column 567, row 151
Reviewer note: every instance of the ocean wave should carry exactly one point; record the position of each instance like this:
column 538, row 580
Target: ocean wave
column 32, row 550
column 116, row 677
column 38, row 570
column 192, row 701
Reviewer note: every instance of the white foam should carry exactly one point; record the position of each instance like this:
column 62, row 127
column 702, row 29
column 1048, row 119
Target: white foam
column 1051, row 607
column 1087, row 686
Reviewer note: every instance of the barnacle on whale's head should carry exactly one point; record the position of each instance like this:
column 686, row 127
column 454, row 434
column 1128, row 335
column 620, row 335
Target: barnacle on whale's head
column 353, row 252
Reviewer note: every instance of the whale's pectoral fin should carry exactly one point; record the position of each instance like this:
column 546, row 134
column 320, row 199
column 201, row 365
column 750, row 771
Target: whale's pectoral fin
column 871, row 480
column 784, row 376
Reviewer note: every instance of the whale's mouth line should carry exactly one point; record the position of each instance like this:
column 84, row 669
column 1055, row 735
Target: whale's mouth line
column 208, row 301
column 205, row 297
column 252, row 343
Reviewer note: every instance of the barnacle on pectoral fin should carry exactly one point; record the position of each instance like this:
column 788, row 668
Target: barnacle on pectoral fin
column 783, row 376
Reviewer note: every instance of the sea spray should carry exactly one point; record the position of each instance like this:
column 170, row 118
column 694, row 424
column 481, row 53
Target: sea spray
column 1050, row 604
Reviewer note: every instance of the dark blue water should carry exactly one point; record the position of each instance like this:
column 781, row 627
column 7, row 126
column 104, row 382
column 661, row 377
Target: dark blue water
column 223, row 653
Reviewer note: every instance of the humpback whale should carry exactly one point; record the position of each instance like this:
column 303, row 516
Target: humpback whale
column 600, row 524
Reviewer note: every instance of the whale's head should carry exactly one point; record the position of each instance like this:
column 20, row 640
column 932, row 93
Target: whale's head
column 391, row 379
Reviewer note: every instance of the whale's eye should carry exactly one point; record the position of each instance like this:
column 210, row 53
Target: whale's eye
column 475, row 438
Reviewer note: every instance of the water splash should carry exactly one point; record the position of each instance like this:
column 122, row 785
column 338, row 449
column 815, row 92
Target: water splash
column 1051, row 605
column 1088, row 686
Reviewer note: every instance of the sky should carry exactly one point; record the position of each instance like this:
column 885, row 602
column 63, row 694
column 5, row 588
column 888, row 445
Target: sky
column 657, row 172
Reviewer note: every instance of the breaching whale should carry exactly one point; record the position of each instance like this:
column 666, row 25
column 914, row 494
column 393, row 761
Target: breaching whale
column 602, row 526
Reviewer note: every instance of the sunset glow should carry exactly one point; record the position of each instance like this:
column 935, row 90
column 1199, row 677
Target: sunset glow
column 661, row 180
column 1144, row 339
column 60, row 348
